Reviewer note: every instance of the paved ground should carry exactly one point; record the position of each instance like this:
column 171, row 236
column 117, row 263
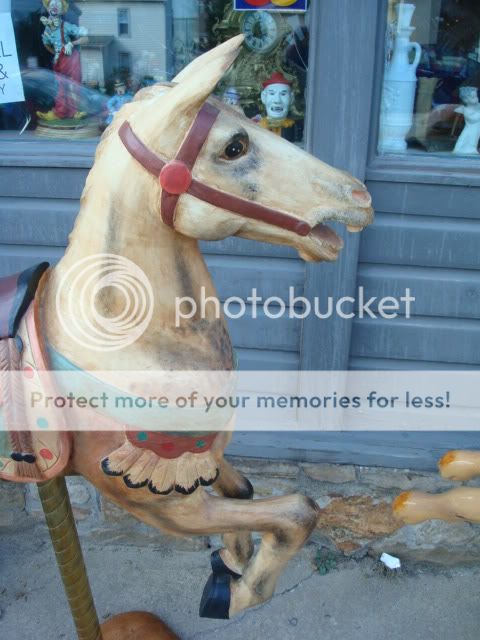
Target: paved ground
column 353, row 601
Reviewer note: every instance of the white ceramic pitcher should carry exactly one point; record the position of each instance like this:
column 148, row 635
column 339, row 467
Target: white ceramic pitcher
column 399, row 85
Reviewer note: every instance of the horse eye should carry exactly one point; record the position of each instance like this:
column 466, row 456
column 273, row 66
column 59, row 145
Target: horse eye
column 235, row 149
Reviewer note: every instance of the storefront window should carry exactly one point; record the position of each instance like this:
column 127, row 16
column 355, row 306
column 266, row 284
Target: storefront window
column 70, row 66
column 430, row 99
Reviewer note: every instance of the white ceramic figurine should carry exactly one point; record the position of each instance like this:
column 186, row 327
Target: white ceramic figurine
column 467, row 142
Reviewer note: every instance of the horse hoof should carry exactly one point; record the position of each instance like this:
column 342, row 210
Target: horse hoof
column 219, row 567
column 215, row 602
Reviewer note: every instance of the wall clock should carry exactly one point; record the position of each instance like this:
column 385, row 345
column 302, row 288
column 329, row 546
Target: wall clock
column 262, row 31
column 266, row 38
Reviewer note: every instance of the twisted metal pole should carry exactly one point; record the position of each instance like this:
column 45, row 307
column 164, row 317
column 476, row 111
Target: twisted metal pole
column 63, row 532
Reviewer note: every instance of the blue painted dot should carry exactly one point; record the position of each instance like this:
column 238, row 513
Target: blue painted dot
column 142, row 436
column 42, row 423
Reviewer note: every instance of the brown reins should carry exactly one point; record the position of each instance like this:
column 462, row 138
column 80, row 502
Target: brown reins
column 175, row 177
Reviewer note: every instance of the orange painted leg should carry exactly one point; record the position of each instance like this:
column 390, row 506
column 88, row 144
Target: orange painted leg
column 460, row 504
column 460, row 465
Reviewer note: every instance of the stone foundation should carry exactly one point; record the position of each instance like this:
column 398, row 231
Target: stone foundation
column 354, row 504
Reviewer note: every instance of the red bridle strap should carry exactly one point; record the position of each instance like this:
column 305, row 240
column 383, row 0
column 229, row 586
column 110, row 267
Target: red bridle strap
column 175, row 177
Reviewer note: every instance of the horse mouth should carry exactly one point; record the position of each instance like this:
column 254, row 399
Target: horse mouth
column 325, row 243
column 326, row 236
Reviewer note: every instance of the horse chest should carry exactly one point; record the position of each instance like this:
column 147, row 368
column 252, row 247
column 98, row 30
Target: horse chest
column 202, row 345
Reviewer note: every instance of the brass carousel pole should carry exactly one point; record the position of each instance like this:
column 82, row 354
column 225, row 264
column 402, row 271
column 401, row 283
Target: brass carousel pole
column 134, row 625
column 63, row 532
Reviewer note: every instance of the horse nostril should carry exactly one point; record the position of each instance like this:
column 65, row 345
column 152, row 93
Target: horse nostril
column 362, row 197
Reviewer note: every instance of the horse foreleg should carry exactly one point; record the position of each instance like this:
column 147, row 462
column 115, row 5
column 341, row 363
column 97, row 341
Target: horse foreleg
column 284, row 522
column 238, row 545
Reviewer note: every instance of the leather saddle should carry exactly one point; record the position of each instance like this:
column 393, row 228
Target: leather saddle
column 16, row 293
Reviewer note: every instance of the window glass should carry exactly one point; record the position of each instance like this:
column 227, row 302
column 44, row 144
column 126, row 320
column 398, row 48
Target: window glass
column 123, row 22
column 80, row 61
column 430, row 99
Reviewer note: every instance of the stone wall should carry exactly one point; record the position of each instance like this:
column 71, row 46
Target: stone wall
column 354, row 503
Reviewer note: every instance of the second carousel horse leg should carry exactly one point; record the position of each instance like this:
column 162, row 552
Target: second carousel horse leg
column 460, row 504
column 460, row 465
column 136, row 625
column 238, row 545
column 285, row 524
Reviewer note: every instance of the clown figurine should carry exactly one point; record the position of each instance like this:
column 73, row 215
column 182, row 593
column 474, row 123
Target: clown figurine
column 116, row 102
column 277, row 98
column 60, row 38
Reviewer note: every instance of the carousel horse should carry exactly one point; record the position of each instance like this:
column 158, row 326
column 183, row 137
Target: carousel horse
column 175, row 166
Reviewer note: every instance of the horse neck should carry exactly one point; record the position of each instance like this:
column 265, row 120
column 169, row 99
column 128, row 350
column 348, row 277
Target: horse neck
column 125, row 225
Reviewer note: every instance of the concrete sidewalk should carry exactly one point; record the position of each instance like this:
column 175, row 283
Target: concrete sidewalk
column 353, row 601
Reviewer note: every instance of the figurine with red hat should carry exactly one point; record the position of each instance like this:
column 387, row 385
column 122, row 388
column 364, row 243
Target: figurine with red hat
column 277, row 98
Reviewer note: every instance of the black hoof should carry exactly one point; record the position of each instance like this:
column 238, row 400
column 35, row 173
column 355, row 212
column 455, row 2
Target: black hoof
column 215, row 602
column 219, row 567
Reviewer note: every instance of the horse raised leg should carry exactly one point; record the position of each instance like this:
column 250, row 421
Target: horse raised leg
column 238, row 545
column 285, row 524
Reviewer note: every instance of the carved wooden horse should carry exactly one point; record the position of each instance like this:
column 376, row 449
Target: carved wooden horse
column 177, row 166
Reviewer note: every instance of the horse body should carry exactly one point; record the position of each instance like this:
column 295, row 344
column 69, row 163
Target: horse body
column 120, row 215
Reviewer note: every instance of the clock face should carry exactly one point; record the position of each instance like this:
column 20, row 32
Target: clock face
column 261, row 31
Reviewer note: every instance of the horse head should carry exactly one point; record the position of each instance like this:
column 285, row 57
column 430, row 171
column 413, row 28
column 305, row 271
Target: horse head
column 243, row 160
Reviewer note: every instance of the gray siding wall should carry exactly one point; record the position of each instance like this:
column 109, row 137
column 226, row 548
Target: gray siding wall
column 426, row 238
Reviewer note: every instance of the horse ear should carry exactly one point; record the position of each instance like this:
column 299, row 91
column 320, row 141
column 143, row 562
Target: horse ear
column 224, row 53
column 197, row 81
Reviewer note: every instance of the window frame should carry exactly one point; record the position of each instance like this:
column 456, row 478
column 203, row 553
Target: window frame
column 430, row 168
column 128, row 23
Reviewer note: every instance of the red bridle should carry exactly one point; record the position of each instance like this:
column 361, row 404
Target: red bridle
column 175, row 177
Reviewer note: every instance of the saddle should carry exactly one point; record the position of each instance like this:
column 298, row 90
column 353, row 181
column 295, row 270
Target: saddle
column 16, row 293
column 26, row 455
